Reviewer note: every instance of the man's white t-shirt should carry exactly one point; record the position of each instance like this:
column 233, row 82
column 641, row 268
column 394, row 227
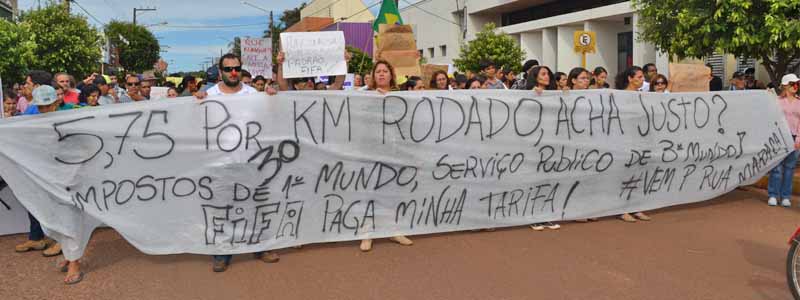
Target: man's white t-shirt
column 246, row 89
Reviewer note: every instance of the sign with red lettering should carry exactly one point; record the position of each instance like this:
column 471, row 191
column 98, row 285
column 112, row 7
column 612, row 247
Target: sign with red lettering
column 257, row 56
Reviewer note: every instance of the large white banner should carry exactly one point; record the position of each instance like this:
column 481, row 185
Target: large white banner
column 250, row 173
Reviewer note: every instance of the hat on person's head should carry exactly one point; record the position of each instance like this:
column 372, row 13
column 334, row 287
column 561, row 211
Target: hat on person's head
column 737, row 75
column 99, row 80
column 750, row 71
column 44, row 95
column 789, row 78
column 212, row 74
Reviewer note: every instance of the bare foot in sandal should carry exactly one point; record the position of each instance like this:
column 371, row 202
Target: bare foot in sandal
column 74, row 274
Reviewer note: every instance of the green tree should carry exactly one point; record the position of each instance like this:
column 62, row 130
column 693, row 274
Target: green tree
column 767, row 30
column 500, row 48
column 64, row 42
column 16, row 49
column 288, row 18
column 138, row 47
column 291, row 16
column 360, row 62
column 236, row 46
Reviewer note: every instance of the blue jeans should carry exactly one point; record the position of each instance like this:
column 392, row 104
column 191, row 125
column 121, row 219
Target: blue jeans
column 35, row 233
column 225, row 258
column 780, row 178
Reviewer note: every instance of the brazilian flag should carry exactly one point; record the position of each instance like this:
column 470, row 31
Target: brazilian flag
column 389, row 15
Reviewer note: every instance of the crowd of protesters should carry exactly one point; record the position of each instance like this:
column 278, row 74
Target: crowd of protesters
column 43, row 92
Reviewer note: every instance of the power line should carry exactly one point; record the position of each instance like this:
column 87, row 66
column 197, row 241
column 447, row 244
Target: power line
column 87, row 12
column 213, row 26
column 360, row 11
column 430, row 13
column 329, row 5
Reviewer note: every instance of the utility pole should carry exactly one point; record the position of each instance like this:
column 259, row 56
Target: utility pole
column 136, row 10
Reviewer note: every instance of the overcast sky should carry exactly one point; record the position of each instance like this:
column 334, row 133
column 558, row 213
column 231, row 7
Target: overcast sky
column 188, row 47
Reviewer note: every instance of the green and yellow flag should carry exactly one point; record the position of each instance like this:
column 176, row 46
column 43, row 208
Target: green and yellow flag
column 389, row 15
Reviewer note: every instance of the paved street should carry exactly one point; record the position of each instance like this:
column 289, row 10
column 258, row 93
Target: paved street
column 733, row 247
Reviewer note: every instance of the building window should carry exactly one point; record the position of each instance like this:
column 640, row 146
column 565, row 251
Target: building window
column 443, row 50
column 430, row 52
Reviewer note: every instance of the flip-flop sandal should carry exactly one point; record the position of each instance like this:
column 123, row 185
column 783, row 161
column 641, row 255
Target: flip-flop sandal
column 64, row 268
column 76, row 280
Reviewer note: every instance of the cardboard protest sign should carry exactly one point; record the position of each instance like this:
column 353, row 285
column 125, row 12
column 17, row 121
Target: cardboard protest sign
column 257, row 56
column 395, row 37
column 312, row 54
column 689, row 78
column 427, row 72
column 405, row 63
column 240, row 174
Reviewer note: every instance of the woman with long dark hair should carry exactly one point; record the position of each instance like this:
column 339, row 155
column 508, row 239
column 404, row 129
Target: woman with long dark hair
column 540, row 78
column 439, row 81
column 384, row 81
column 578, row 79
column 599, row 77
column 631, row 79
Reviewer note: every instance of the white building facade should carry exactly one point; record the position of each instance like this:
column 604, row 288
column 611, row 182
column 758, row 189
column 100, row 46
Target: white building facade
column 543, row 28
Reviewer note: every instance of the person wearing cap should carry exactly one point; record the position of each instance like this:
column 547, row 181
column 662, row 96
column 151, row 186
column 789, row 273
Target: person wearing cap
column 45, row 100
column 738, row 82
column 780, row 177
column 212, row 77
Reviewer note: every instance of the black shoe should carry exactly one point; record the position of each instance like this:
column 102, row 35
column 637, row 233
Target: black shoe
column 220, row 266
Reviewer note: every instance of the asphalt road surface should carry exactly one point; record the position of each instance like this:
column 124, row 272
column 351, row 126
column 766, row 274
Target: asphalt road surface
column 733, row 247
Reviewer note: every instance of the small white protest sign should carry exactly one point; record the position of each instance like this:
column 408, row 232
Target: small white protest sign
column 311, row 54
column 257, row 57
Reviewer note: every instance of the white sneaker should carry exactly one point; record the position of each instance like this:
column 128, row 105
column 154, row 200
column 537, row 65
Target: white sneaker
column 786, row 202
column 772, row 201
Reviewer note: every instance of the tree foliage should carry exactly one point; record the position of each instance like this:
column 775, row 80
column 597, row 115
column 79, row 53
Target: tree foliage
column 500, row 48
column 63, row 42
column 16, row 49
column 360, row 62
column 767, row 30
column 139, row 50
column 291, row 16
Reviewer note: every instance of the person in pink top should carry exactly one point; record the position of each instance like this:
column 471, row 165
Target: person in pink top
column 780, row 178
column 34, row 79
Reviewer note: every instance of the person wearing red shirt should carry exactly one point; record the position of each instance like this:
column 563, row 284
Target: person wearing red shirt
column 67, row 83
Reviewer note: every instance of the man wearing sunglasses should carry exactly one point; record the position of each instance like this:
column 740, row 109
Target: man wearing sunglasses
column 230, row 69
column 131, row 94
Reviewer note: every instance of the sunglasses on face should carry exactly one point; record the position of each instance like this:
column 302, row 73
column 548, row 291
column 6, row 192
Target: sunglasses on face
column 133, row 83
column 231, row 69
column 661, row 83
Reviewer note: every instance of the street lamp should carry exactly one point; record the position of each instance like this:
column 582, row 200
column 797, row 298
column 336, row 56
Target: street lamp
column 264, row 10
